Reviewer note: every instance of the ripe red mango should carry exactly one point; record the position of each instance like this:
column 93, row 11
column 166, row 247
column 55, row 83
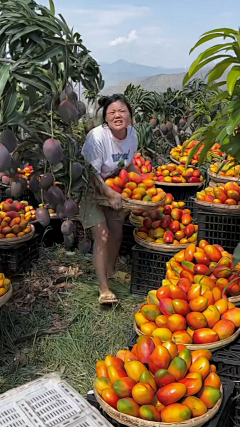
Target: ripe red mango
column 145, row 347
column 168, row 237
column 232, row 194
column 201, row 258
column 196, row 320
column 184, row 284
column 152, row 295
column 146, row 377
column 176, row 267
column 176, row 322
column 196, row 406
column 148, row 328
column 189, row 252
column 188, row 266
column 189, row 230
column 161, row 321
column 222, row 271
column 225, row 260
column 101, row 369
column 113, row 361
column 143, row 393
column 187, row 275
column 222, row 305
column 186, row 219
column 166, row 306
column 149, row 413
column 163, row 377
column 201, row 366
column 210, row 297
column 123, row 387
column 196, row 354
column 176, row 214
column 178, row 368
column 179, row 257
column 186, row 356
column 177, row 293
column 128, row 406
column 208, row 282
column 172, row 348
column 205, row 336
column 212, row 315
column 219, row 194
column 110, row 397
column 174, row 226
column 115, row 373
column 233, row 315
column 102, row 383
column 159, row 359
column 213, row 253
column 181, row 306
column 209, row 396
column 181, row 337
column 171, row 393
column 176, row 413
column 193, row 385
column 202, row 269
column 163, row 333
column 198, row 304
column 121, row 354
column 163, row 292
column 130, row 356
column 134, row 369
column 150, row 311
column 217, row 294
column 213, row 380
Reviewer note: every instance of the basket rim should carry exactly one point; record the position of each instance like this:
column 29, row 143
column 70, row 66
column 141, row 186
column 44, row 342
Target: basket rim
column 130, row 204
column 138, row 422
column 158, row 247
column 16, row 240
column 4, row 298
column 222, row 178
column 179, row 184
column 218, row 207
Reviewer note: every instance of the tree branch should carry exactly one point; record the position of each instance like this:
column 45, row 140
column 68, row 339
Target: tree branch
column 10, row 61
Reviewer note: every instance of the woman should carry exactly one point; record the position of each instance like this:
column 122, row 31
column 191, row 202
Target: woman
column 107, row 147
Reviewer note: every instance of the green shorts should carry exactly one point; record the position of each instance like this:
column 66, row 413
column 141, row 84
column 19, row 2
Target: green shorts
column 91, row 213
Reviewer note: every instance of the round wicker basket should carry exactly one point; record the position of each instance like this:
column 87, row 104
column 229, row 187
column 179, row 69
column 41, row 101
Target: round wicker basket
column 17, row 240
column 234, row 300
column 4, row 299
column 179, row 184
column 211, row 346
column 131, row 205
column 213, row 207
column 138, row 422
column 158, row 246
column 221, row 178
column 133, row 219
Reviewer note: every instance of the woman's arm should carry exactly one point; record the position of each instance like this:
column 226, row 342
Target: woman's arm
column 114, row 198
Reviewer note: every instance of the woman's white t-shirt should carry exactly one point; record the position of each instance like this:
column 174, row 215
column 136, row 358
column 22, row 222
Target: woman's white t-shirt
column 104, row 152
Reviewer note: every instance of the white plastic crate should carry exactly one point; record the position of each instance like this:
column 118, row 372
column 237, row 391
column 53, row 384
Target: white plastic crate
column 48, row 402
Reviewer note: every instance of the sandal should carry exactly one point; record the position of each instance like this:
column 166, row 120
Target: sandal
column 107, row 298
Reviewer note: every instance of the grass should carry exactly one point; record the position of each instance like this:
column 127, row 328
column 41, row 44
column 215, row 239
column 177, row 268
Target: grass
column 41, row 303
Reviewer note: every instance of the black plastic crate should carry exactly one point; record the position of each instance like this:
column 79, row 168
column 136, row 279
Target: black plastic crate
column 127, row 241
column 3, row 193
column 148, row 269
column 18, row 259
column 221, row 418
column 219, row 228
column 182, row 194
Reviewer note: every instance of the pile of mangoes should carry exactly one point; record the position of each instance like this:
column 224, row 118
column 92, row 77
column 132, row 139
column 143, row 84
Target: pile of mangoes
column 177, row 174
column 175, row 228
column 181, row 157
column 159, row 381
column 12, row 220
column 222, row 194
column 142, row 164
column 226, row 168
column 136, row 187
column 4, row 285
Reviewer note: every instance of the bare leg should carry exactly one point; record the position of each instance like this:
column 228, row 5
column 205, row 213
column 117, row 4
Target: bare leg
column 114, row 241
column 100, row 233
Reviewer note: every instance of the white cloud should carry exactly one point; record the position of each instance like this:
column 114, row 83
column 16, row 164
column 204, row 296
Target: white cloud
column 125, row 40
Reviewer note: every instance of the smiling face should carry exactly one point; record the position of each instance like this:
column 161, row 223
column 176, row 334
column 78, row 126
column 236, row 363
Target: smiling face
column 118, row 116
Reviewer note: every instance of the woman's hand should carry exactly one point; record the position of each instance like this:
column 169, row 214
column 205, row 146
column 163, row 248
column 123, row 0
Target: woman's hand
column 115, row 200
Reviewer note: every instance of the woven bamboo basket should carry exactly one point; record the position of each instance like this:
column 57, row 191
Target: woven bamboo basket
column 213, row 207
column 158, row 246
column 179, row 184
column 235, row 299
column 138, row 422
column 133, row 219
column 211, row 346
column 17, row 240
column 222, row 179
column 131, row 205
column 4, row 299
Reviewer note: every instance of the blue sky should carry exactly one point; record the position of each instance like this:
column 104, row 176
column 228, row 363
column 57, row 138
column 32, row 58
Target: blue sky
column 154, row 32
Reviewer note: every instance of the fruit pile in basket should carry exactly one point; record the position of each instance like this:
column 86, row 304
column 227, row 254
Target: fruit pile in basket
column 12, row 220
column 177, row 174
column 222, row 194
column 208, row 265
column 226, row 168
column 4, row 285
column 142, row 164
column 181, row 157
column 175, row 228
column 136, row 187
column 159, row 381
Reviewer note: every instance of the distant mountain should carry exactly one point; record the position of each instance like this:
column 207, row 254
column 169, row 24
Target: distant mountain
column 122, row 70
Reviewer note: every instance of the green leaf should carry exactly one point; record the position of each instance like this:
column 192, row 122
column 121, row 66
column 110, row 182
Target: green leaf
column 205, row 39
column 193, row 152
column 226, row 31
column 206, row 54
column 4, row 75
column 208, row 143
column 219, row 69
column 52, row 7
column 233, row 76
column 25, row 31
column 49, row 53
column 233, row 122
column 236, row 256
column 10, row 102
column 29, row 79
column 188, row 76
